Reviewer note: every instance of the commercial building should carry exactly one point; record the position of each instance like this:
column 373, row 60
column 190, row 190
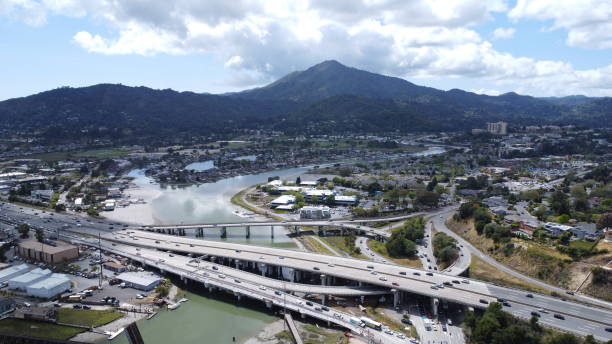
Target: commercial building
column 43, row 195
column 315, row 213
column 7, row 304
column 50, row 286
column 35, row 250
column 109, row 205
column 282, row 200
column 13, row 271
column 140, row 280
column 35, row 313
column 345, row 200
column 498, row 128
column 115, row 267
column 21, row 282
column 318, row 195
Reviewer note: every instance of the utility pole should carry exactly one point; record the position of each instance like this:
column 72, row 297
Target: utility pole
column 100, row 252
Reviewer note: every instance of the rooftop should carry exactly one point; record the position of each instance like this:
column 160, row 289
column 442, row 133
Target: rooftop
column 35, row 245
column 50, row 282
column 140, row 278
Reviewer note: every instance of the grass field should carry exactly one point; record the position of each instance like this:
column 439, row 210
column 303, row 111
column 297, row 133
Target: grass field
column 314, row 246
column 480, row 270
column 38, row 329
column 87, row 317
column 339, row 243
column 381, row 249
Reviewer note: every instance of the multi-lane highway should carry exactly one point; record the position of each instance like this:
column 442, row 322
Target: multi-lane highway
column 577, row 317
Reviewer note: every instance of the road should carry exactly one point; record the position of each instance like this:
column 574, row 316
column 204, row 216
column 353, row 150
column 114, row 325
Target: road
column 440, row 225
column 578, row 317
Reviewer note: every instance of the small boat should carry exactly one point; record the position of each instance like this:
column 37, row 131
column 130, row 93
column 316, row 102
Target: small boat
column 112, row 335
column 183, row 300
column 151, row 315
column 174, row 306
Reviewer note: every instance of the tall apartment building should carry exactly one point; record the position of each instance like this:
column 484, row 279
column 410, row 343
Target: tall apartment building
column 498, row 128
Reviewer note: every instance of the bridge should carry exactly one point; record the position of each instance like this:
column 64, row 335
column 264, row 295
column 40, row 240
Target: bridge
column 582, row 319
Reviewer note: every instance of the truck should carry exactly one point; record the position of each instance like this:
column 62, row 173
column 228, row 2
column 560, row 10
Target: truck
column 356, row 321
column 371, row 323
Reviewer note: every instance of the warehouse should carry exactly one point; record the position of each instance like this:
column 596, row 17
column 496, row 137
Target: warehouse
column 13, row 271
column 50, row 254
column 140, row 280
column 23, row 281
column 50, row 286
column 115, row 267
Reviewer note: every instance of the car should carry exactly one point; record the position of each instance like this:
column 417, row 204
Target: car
column 465, row 281
column 325, row 309
column 429, row 274
column 500, row 300
column 86, row 307
column 308, row 303
column 215, row 268
column 529, row 296
column 483, row 301
column 77, row 306
column 278, row 292
column 559, row 316
column 370, row 266
column 434, row 287
column 331, row 265
column 237, row 281
column 542, row 310
column 535, row 314
column 374, row 273
column 316, row 268
column 383, row 278
column 456, row 282
column 569, row 292
column 448, row 284
column 221, row 276
column 57, row 305
column 261, row 287
column 608, row 329
column 406, row 321
column 506, row 303
column 171, row 255
column 238, row 251
column 395, row 284
column 281, row 257
column 403, row 273
column 416, row 273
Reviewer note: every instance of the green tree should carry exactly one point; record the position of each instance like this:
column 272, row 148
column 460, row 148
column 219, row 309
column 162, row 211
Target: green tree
column 162, row 290
column 24, row 230
column 559, row 203
column 40, row 234
column 604, row 221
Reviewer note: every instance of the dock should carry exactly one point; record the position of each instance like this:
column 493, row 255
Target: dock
column 293, row 329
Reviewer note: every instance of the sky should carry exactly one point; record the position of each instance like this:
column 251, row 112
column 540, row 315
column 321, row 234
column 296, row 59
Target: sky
column 534, row 47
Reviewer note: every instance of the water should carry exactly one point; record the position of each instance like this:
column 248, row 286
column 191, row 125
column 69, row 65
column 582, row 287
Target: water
column 203, row 320
column 201, row 166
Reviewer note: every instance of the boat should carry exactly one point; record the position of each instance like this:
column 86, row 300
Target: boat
column 112, row 335
column 173, row 306
column 151, row 315
column 183, row 300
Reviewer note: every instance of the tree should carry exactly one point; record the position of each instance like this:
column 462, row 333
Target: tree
column 40, row 235
column 533, row 322
column 605, row 221
column 432, row 184
column 373, row 187
column 330, row 200
column 563, row 338
column 162, row 290
column 559, row 203
column 427, row 198
column 24, row 230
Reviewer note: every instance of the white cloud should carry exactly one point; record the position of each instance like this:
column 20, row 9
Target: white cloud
column 261, row 40
column 504, row 33
column 486, row 91
column 588, row 23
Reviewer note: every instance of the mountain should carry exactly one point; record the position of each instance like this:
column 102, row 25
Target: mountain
column 326, row 98
column 331, row 78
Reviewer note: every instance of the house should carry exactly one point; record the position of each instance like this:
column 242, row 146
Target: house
column 584, row 230
column 282, row 201
column 556, row 228
column 49, row 287
column 495, row 201
column 608, row 235
column 140, row 280
column 315, row 213
column 113, row 193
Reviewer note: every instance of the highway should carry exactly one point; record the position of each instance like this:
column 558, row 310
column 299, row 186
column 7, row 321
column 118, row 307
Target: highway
column 578, row 317
column 440, row 225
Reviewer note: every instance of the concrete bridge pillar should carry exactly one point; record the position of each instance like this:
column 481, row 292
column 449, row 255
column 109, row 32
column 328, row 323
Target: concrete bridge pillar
column 362, row 297
column 237, row 263
column 323, row 279
column 248, row 232
column 272, row 232
column 303, row 315
column 263, row 267
column 434, row 307
column 297, row 230
column 268, row 304
column 323, row 299
column 396, row 298
column 223, row 232
column 238, row 296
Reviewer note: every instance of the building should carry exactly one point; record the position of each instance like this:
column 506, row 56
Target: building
column 315, row 213
column 49, row 287
column 43, row 195
column 498, row 128
column 345, row 200
column 584, row 230
column 7, row 304
column 318, row 195
column 109, row 205
column 115, row 267
column 556, row 228
column 308, row 183
column 35, row 250
column 282, row 200
column 21, row 282
column 113, row 192
column 140, row 280
column 35, row 313
column 13, row 271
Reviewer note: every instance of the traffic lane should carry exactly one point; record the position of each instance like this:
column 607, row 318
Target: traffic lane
column 287, row 300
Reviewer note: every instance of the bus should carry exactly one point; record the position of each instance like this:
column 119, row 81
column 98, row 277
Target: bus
column 371, row 323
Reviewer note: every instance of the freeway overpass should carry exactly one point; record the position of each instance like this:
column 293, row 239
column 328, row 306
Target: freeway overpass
column 579, row 318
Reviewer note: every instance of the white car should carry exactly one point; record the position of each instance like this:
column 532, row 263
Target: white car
column 383, row 278
column 262, row 288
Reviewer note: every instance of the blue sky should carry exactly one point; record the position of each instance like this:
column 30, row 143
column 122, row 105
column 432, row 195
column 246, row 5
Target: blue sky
column 543, row 48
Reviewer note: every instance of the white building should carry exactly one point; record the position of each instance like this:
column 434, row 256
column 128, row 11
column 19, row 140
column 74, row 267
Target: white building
column 50, row 286
column 498, row 128
column 13, row 271
column 283, row 200
column 345, row 200
column 315, row 213
column 308, row 183
column 320, row 195
column 109, row 205
column 23, row 281
column 140, row 280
